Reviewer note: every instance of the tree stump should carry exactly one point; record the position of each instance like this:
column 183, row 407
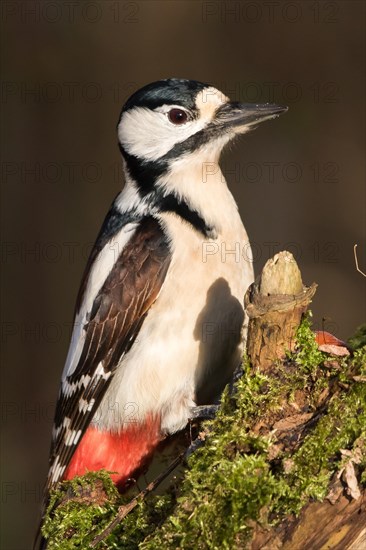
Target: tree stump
column 275, row 304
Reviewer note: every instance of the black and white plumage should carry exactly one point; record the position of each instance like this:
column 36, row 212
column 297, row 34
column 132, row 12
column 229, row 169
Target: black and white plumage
column 159, row 316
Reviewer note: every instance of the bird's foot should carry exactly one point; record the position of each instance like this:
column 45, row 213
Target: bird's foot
column 203, row 412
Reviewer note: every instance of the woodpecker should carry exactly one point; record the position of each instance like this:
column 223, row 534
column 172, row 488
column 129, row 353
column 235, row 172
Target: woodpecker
column 159, row 316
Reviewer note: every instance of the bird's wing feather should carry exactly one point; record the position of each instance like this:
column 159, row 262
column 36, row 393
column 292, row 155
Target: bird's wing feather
column 116, row 315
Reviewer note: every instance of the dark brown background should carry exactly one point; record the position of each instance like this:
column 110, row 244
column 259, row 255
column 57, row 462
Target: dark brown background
column 299, row 180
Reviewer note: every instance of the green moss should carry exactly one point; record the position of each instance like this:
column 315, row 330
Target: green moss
column 358, row 340
column 72, row 517
column 139, row 524
column 307, row 355
column 238, row 477
column 319, row 456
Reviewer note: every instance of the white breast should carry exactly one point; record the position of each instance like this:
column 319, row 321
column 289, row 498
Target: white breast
column 190, row 341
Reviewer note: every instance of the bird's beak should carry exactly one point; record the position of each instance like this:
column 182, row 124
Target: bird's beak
column 238, row 116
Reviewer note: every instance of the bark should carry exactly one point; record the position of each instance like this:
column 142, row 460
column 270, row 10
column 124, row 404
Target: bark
column 320, row 526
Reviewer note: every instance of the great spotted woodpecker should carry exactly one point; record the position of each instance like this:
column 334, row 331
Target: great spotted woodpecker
column 159, row 316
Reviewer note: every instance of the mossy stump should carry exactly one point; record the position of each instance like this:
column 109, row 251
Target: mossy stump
column 276, row 303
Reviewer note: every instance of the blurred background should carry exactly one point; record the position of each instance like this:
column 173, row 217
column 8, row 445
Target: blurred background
column 67, row 68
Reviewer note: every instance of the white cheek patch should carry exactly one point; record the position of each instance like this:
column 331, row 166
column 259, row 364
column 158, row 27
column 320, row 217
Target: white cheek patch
column 150, row 135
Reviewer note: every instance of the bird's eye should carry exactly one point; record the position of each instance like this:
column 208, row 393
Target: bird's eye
column 177, row 116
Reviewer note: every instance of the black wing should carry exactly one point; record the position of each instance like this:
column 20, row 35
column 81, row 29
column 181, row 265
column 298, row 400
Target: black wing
column 116, row 316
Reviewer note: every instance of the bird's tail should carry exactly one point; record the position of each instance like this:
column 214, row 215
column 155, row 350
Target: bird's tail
column 40, row 542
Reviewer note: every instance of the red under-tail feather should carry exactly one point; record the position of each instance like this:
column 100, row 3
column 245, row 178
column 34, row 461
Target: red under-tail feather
column 122, row 452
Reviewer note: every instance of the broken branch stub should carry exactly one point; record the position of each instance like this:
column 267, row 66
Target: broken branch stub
column 275, row 304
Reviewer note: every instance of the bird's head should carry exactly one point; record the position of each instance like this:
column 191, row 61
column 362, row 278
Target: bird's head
column 179, row 121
